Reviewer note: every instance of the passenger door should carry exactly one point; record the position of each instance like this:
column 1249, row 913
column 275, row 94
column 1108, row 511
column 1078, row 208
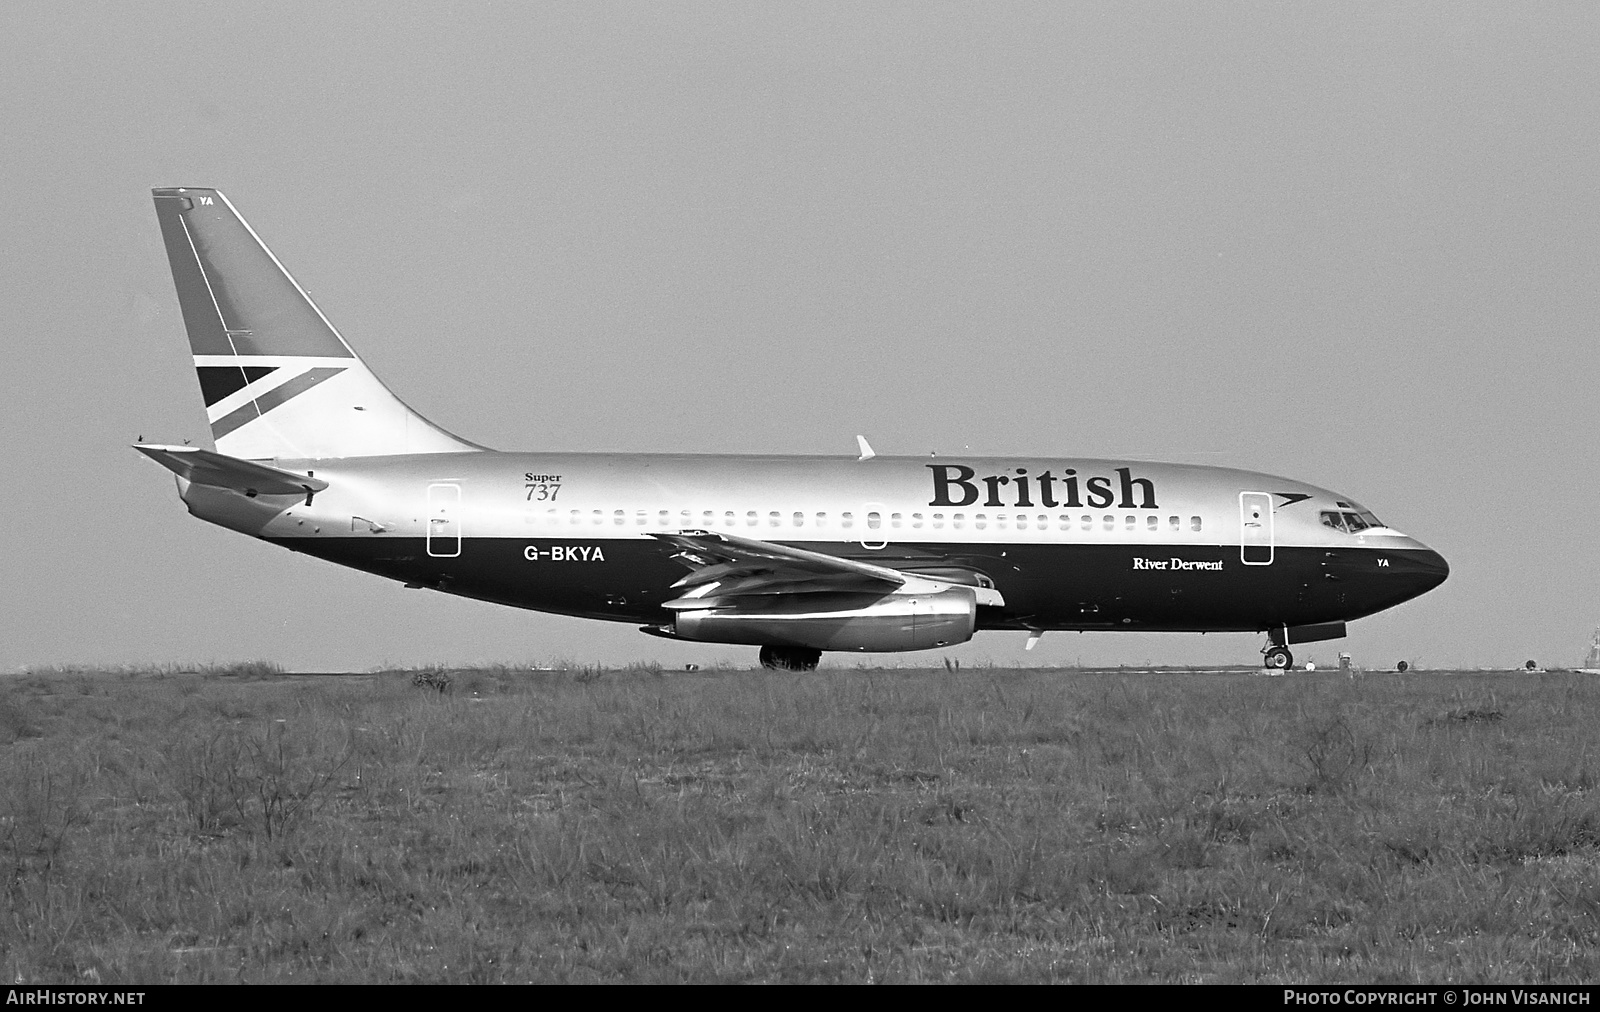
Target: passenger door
column 1255, row 528
column 444, row 520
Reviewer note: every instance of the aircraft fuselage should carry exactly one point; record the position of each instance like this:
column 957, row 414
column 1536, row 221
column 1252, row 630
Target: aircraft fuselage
column 1068, row 544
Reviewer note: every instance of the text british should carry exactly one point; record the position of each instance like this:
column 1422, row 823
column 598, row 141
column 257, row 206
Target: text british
column 957, row 485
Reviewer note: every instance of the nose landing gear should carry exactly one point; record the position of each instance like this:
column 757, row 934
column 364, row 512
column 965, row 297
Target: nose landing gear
column 1277, row 658
column 790, row 658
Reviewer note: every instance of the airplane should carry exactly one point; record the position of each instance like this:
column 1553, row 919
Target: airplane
column 793, row 554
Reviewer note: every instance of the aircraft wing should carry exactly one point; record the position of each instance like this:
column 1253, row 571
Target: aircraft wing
column 205, row 467
column 724, row 567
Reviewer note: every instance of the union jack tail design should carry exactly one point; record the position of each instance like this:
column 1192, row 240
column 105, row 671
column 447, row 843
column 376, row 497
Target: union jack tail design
column 277, row 378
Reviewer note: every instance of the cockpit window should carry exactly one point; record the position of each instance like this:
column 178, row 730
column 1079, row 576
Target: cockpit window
column 1350, row 521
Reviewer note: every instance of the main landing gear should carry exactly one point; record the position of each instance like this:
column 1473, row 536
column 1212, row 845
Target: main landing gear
column 790, row 658
column 1277, row 658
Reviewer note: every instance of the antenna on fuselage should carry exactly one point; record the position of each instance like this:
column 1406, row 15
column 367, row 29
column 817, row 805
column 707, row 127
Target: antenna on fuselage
column 867, row 452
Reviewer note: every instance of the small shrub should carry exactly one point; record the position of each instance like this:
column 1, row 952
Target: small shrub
column 436, row 679
column 243, row 669
column 260, row 782
column 1330, row 752
column 14, row 722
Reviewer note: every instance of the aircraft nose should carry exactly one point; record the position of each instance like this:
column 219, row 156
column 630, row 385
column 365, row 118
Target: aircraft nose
column 1409, row 573
column 1418, row 570
column 1432, row 568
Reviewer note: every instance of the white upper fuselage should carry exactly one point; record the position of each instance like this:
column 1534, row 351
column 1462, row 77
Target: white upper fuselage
column 809, row 499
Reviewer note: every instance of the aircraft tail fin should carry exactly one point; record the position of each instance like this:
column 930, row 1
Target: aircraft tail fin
column 277, row 378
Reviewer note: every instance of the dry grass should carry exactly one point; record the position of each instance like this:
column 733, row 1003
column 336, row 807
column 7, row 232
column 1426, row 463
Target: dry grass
column 638, row 825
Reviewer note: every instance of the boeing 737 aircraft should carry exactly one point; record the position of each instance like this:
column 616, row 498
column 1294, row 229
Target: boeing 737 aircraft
column 796, row 555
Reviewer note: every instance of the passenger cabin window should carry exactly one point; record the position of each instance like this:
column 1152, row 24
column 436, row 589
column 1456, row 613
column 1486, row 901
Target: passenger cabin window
column 1194, row 523
column 894, row 519
column 1176, row 522
column 822, row 519
column 874, row 520
column 1152, row 522
column 799, row 519
column 846, row 519
column 618, row 516
column 774, row 518
column 938, row 521
column 750, row 518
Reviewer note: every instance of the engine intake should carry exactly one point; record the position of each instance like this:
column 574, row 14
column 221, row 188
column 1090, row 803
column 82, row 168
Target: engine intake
column 840, row 621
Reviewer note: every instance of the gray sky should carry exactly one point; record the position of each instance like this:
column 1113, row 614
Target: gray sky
column 1352, row 244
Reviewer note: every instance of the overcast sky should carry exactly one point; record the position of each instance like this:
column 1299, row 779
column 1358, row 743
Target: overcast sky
column 1351, row 244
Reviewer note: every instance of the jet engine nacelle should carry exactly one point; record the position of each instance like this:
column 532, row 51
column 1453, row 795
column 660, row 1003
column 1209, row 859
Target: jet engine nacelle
column 841, row 621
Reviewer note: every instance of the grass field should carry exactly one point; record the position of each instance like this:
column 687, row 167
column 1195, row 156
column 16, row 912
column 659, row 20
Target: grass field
column 846, row 825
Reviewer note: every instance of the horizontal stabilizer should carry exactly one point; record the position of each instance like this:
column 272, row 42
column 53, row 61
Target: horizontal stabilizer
column 204, row 467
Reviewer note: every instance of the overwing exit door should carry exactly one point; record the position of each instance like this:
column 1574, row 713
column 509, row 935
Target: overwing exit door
column 1255, row 528
column 444, row 520
column 874, row 523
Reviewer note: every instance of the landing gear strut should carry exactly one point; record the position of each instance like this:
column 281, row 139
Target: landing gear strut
column 1278, row 657
column 790, row 658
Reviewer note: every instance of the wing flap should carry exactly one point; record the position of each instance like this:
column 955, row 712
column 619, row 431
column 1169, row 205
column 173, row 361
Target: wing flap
column 721, row 558
column 725, row 568
column 218, row 470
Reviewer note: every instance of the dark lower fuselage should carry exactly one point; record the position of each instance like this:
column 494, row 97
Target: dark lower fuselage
column 1188, row 588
